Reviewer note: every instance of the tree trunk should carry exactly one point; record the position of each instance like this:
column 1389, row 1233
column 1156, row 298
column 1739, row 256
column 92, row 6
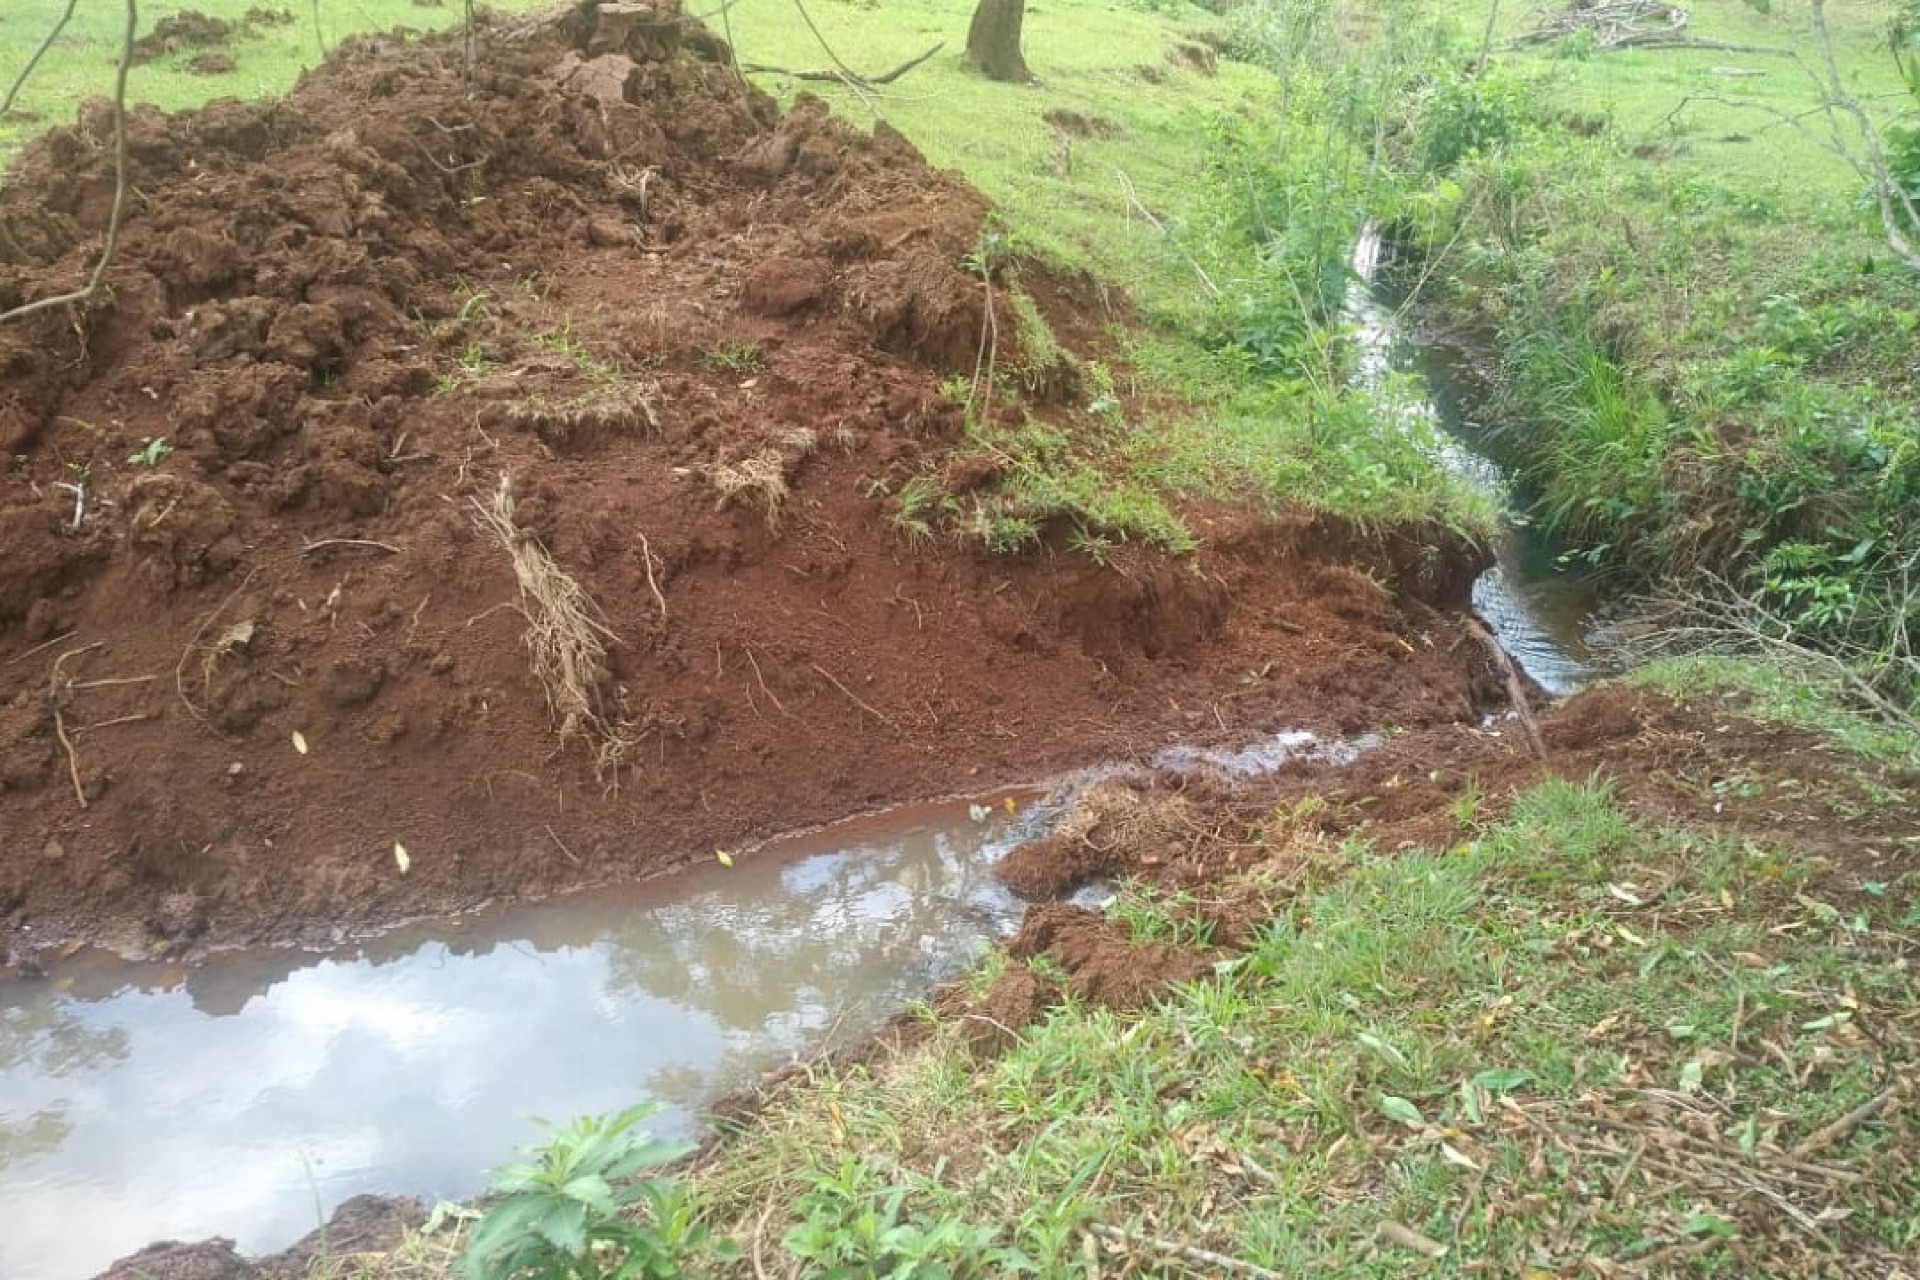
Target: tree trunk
column 993, row 41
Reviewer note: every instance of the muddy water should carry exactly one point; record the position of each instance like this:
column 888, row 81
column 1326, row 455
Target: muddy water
column 250, row 1095
column 1540, row 613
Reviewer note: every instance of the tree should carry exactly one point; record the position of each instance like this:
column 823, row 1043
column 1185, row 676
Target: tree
column 993, row 40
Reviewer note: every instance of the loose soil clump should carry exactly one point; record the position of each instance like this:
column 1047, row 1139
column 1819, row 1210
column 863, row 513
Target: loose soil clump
column 263, row 678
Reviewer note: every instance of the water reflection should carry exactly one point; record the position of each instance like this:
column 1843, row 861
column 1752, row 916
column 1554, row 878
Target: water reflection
column 244, row 1097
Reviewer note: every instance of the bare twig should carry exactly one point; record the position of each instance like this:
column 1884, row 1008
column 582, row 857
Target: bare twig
column 1134, row 206
column 108, row 724
column 112, row 683
column 1180, row 1249
column 13, row 90
column 1829, row 1135
column 562, row 845
column 39, row 648
column 828, row 675
column 368, row 543
column 119, row 185
column 840, row 75
column 646, row 555
column 60, row 719
column 761, row 680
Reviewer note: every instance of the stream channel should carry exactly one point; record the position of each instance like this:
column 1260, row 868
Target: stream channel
column 248, row 1095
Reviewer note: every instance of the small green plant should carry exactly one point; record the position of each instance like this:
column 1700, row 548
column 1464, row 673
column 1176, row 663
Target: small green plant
column 150, row 453
column 565, row 343
column 920, row 502
column 734, row 356
column 568, row 1213
column 853, row 1227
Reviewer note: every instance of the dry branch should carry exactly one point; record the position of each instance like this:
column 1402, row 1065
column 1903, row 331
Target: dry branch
column 1516, row 692
column 1128, row 1240
column 1714, row 616
column 842, row 76
column 566, row 641
column 1629, row 24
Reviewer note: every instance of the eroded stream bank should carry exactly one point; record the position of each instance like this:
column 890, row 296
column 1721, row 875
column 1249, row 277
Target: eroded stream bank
column 250, row 1093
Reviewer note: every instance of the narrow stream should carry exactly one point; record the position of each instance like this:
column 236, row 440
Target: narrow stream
column 1539, row 612
column 249, row 1095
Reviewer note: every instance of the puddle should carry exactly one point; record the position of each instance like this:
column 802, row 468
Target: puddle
column 1539, row 612
column 247, row 1097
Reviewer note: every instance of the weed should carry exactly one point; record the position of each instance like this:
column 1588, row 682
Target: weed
column 759, row 480
column 919, row 505
column 853, row 1225
column 733, row 357
column 564, row 342
column 566, row 1215
column 150, row 453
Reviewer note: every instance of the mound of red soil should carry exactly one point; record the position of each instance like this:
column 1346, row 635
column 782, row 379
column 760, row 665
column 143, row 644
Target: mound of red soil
column 251, row 639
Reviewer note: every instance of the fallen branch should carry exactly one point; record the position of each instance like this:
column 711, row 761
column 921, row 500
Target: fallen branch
column 1840, row 1130
column 119, row 185
column 1179, row 1249
column 1516, row 691
column 842, row 75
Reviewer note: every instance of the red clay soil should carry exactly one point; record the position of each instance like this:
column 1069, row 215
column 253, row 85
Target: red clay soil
column 611, row 274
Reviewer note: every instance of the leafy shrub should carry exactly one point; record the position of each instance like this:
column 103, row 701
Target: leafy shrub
column 581, row 1209
column 1466, row 115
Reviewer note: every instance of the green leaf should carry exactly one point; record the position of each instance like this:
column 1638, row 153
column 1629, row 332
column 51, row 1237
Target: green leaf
column 1761, row 6
column 591, row 1190
column 564, row 1226
column 1401, row 1110
column 1385, row 1052
column 1709, row 1224
column 1502, row 1079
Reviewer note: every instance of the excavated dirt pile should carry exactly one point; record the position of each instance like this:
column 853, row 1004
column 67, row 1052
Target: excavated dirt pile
column 472, row 483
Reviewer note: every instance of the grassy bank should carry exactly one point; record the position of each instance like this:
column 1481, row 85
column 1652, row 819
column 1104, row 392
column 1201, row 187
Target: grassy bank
column 1699, row 347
